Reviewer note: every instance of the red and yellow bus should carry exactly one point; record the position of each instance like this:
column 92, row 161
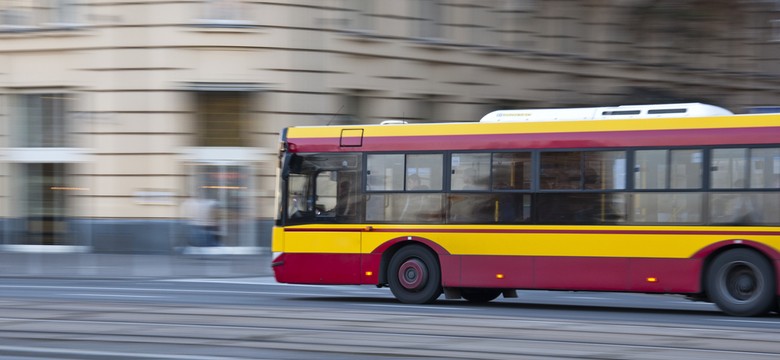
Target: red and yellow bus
column 679, row 199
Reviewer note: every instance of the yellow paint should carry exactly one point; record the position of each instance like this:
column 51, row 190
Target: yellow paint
column 277, row 237
column 610, row 243
column 322, row 242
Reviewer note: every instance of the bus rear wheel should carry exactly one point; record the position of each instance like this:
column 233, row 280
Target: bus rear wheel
column 414, row 275
column 476, row 295
column 741, row 282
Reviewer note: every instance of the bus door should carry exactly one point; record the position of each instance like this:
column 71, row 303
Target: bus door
column 323, row 231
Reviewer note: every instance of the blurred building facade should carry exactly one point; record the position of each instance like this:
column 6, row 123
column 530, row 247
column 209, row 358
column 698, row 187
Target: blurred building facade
column 112, row 113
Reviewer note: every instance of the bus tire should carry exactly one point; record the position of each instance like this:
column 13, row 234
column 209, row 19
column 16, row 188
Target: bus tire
column 414, row 275
column 741, row 282
column 477, row 295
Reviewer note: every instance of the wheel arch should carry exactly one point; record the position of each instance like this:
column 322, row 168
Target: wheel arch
column 390, row 247
column 709, row 253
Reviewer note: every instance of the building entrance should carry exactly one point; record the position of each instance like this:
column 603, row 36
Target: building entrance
column 227, row 186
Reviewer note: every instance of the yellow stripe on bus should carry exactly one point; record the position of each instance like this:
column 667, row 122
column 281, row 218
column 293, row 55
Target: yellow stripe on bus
column 675, row 242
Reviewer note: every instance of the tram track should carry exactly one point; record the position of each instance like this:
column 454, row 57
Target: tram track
column 183, row 330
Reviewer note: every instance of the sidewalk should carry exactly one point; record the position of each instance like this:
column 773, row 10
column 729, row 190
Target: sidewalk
column 132, row 266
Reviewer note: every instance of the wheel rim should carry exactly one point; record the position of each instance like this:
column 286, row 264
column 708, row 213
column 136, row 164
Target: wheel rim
column 741, row 281
column 412, row 274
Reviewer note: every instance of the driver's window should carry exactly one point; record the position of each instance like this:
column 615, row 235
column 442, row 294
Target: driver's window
column 298, row 195
column 326, row 191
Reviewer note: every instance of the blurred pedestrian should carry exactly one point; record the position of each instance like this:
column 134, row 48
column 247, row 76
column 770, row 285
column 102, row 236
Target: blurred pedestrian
column 201, row 215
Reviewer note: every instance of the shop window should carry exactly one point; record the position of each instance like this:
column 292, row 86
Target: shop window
column 223, row 118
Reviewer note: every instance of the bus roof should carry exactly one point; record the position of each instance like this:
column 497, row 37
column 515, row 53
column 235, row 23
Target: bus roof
column 562, row 133
column 607, row 113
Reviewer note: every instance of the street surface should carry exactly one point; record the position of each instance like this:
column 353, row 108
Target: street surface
column 256, row 318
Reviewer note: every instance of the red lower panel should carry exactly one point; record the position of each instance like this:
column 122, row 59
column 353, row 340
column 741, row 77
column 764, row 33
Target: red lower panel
column 510, row 272
column 665, row 275
column 581, row 273
column 304, row 268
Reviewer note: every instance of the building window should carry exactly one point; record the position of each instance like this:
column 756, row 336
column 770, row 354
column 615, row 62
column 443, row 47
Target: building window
column 223, row 118
column 429, row 19
column 32, row 13
column 41, row 120
column 517, row 23
column 224, row 12
column 360, row 14
column 355, row 108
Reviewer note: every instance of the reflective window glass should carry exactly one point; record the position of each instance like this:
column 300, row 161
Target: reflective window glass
column 385, row 172
column 470, row 171
column 560, row 170
column 765, row 168
column 679, row 207
column 481, row 208
column 580, row 208
column 405, row 208
column 728, row 168
column 591, row 170
column 650, row 169
column 605, row 170
column 512, row 171
column 686, row 169
column 424, row 172
column 741, row 208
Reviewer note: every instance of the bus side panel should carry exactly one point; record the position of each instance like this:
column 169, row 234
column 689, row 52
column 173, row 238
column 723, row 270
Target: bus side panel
column 666, row 275
column 450, row 270
column 507, row 272
column 312, row 268
column 320, row 257
column 370, row 268
column 581, row 273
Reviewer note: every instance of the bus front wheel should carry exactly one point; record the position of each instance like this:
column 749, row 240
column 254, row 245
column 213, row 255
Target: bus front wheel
column 414, row 275
column 741, row 282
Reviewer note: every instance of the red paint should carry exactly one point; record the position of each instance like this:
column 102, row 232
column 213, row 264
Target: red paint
column 672, row 275
column 518, row 272
column 560, row 140
column 581, row 273
column 370, row 263
column 312, row 268
column 387, row 244
column 450, row 270
column 481, row 271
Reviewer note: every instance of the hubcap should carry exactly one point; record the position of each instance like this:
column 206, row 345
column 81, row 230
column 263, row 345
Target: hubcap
column 742, row 281
column 412, row 274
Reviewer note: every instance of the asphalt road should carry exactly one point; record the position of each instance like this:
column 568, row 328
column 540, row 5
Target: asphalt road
column 255, row 318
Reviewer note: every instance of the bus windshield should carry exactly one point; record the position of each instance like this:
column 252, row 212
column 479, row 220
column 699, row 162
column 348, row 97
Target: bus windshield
column 322, row 187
